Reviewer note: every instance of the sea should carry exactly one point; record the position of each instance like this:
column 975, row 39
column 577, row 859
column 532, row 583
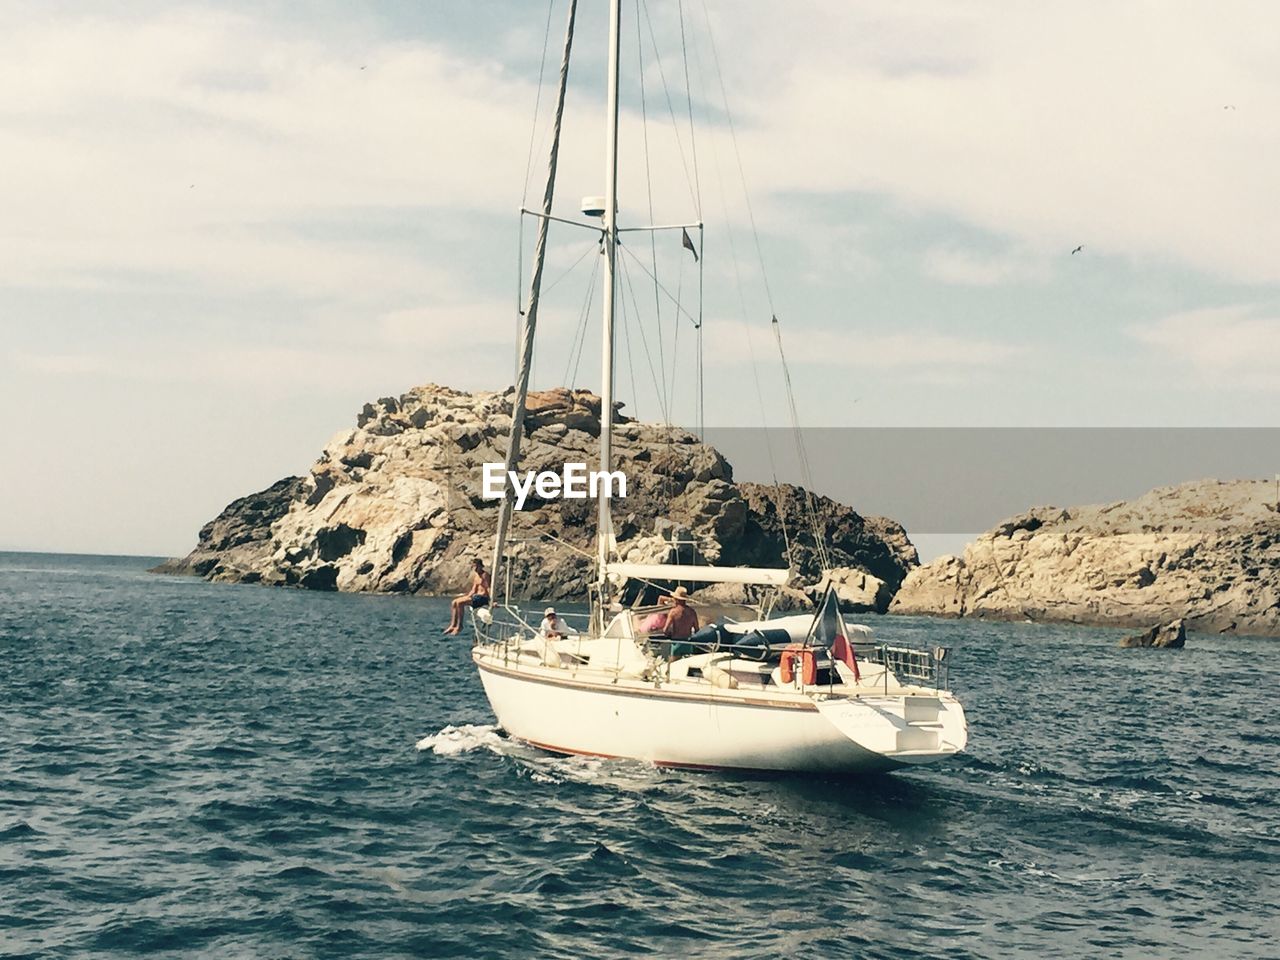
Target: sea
column 206, row 770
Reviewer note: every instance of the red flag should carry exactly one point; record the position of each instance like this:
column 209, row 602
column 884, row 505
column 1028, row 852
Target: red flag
column 829, row 631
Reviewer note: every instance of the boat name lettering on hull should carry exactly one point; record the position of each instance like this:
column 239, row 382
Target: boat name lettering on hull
column 573, row 482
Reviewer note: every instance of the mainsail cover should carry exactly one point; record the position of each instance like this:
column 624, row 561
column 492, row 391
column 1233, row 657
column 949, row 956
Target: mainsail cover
column 829, row 631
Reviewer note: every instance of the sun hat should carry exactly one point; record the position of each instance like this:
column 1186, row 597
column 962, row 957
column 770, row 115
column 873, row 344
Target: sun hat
column 549, row 612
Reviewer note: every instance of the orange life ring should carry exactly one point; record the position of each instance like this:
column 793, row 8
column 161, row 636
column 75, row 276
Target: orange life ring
column 808, row 664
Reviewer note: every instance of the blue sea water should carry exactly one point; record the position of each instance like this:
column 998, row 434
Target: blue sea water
column 203, row 770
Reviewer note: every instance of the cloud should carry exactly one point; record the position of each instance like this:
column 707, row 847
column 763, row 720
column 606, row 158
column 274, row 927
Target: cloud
column 1232, row 347
column 465, row 344
column 175, row 145
column 193, row 149
column 967, row 268
column 1080, row 123
column 920, row 351
column 445, row 325
column 58, row 364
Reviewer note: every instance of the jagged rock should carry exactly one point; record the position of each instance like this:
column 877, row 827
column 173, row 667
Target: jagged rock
column 876, row 545
column 320, row 578
column 1172, row 635
column 567, row 409
column 333, row 543
column 235, row 538
column 1207, row 551
column 857, row 590
column 397, row 505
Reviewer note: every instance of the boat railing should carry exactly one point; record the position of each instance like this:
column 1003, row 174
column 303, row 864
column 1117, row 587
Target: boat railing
column 924, row 667
column 905, row 664
column 505, row 624
column 509, row 628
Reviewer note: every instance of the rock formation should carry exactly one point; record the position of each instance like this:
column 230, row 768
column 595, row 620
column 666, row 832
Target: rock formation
column 1207, row 551
column 857, row 590
column 1168, row 636
column 396, row 505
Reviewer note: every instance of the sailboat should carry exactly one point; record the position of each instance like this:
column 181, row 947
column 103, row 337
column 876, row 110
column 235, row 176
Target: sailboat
column 800, row 693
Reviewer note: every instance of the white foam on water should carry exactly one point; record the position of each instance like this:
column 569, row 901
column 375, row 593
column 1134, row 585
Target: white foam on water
column 452, row 740
column 625, row 776
column 537, row 776
column 540, row 767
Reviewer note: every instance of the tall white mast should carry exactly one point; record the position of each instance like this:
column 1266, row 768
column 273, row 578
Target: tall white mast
column 604, row 533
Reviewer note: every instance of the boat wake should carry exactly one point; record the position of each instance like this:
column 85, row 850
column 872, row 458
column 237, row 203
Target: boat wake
column 452, row 741
column 541, row 767
column 545, row 768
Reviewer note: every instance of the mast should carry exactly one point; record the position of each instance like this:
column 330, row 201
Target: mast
column 531, row 314
column 604, row 530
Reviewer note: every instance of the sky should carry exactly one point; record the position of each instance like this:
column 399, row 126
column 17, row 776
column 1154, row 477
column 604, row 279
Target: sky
column 225, row 227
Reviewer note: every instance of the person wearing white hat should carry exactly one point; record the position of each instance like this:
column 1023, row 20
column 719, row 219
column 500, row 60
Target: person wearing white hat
column 552, row 627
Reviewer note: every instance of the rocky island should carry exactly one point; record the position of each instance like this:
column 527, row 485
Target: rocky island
column 1207, row 552
column 395, row 505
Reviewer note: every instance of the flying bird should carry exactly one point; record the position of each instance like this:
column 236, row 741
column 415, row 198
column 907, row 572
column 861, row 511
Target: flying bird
column 1077, row 250
column 1229, row 106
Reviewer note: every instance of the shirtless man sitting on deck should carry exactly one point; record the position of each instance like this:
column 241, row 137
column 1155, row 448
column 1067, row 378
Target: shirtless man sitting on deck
column 476, row 596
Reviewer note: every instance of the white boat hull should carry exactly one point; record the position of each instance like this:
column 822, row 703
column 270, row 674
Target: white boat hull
column 621, row 718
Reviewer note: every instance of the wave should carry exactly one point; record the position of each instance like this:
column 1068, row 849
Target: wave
column 452, row 741
column 212, row 798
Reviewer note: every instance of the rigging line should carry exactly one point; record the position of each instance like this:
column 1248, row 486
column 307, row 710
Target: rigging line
column 702, row 404
column 688, row 94
column 675, row 124
column 670, row 296
column 581, row 337
column 515, row 377
column 566, row 543
column 701, row 409
column 823, row 558
column 648, row 180
column 659, row 387
column 742, row 300
column 764, row 276
column 631, row 370
column 733, row 136
column 700, row 377
column 702, row 386
column 626, row 334
column 751, row 352
column 591, row 249
column 768, row 445
column 644, row 341
column 582, row 321
column 675, row 343
column 537, row 102
column 694, row 46
column 580, row 334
